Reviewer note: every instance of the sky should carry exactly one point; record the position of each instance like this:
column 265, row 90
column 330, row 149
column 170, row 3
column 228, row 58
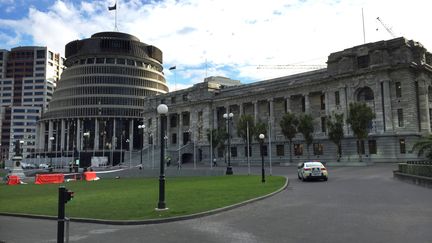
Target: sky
column 229, row 38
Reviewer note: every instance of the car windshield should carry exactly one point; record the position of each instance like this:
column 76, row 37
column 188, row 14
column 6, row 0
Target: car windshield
column 313, row 164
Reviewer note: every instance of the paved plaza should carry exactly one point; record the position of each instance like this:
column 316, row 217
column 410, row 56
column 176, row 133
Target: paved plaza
column 357, row 204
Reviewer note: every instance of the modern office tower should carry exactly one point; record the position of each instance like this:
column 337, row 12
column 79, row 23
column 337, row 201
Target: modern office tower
column 97, row 107
column 28, row 77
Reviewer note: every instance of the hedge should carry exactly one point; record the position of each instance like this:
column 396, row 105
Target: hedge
column 416, row 169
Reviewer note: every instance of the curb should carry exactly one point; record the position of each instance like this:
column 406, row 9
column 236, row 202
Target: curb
column 413, row 179
column 154, row 221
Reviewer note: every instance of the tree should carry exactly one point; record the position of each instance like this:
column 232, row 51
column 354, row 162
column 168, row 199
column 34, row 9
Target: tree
column 242, row 125
column 424, row 146
column 306, row 128
column 218, row 137
column 289, row 125
column 260, row 127
column 360, row 117
column 336, row 132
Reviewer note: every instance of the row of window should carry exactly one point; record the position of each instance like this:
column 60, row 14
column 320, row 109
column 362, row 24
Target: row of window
column 86, row 70
column 119, row 61
column 112, row 91
column 80, row 112
column 90, row 80
column 99, row 101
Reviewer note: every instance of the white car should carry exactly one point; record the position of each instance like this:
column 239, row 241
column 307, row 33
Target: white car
column 312, row 170
column 43, row 166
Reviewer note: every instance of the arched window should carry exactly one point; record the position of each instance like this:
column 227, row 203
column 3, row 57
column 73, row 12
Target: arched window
column 365, row 94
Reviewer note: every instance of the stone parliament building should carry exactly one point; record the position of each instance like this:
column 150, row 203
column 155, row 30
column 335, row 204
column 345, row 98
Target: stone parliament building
column 106, row 95
column 392, row 77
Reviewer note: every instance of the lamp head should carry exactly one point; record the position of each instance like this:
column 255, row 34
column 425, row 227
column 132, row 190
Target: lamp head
column 51, row 138
column 162, row 109
column 231, row 115
column 261, row 136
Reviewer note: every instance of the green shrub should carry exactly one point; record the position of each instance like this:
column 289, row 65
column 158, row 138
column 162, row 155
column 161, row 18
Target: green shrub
column 416, row 169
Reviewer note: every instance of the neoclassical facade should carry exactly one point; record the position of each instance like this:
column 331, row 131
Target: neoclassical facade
column 95, row 109
column 392, row 77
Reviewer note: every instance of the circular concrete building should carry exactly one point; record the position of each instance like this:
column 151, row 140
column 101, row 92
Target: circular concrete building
column 97, row 105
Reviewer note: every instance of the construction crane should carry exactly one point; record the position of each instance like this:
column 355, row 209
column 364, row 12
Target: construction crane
column 389, row 29
column 292, row 66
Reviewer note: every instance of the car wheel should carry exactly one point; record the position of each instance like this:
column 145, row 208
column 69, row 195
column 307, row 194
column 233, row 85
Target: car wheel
column 303, row 179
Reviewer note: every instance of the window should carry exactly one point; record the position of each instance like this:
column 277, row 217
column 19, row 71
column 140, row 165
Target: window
column 298, row 149
column 363, row 61
column 186, row 138
column 280, row 150
column 322, row 101
column 246, row 152
column 40, row 53
column 50, row 55
column 130, row 62
column 220, row 152
column 400, row 118
column 173, row 100
column 100, row 60
column 372, row 146
column 398, row 90
column 323, row 124
column 185, row 97
column 402, row 146
column 186, row 119
column 233, row 151
column 173, row 121
column 360, row 147
column 303, row 104
column 110, row 61
column 174, row 138
column 121, row 61
column 337, row 98
column 318, row 148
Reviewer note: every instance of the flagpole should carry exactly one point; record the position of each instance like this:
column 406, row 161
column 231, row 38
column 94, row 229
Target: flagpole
column 116, row 17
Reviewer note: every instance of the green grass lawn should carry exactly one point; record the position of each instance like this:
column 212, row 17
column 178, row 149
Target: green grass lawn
column 133, row 199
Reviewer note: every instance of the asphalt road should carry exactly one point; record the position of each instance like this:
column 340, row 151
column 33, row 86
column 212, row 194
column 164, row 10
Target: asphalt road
column 357, row 204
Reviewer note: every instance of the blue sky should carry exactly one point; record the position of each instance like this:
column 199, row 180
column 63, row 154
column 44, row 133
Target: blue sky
column 219, row 37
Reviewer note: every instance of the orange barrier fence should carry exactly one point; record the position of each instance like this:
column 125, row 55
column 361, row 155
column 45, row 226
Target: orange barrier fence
column 89, row 175
column 49, row 178
column 13, row 180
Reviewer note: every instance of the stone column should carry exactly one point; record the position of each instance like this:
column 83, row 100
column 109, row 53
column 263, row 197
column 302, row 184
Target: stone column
column 307, row 103
column 78, row 134
column 67, row 135
column 423, row 93
column 131, row 133
column 288, row 103
column 255, row 104
column 241, row 112
column 388, row 116
column 62, row 135
column 50, row 134
column 42, row 137
column 271, row 117
column 96, row 135
column 180, row 130
column 215, row 123
column 327, row 103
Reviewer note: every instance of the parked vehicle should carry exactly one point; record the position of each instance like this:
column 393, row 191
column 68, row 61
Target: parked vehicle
column 28, row 166
column 44, row 166
column 312, row 170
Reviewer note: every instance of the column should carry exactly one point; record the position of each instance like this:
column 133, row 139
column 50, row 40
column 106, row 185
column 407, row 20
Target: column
column 423, row 94
column 78, row 134
column 271, row 117
column 180, row 130
column 42, row 137
column 96, row 135
column 255, row 104
column 387, row 107
column 67, row 135
column 327, row 103
column 50, row 134
column 215, row 123
column 307, row 103
column 62, row 135
column 131, row 133
column 241, row 112
column 288, row 103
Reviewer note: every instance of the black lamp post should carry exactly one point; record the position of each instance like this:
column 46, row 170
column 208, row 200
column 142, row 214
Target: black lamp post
column 228, row 118
column 261, row 137
column 162, row 110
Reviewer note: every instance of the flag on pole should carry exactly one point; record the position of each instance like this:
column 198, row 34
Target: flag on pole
column 172, row 68
column 113, row 7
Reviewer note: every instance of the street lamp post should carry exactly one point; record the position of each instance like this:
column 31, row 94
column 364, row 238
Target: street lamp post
column 261, row 137
column 130, row 152
column 228, row 118
column 86, row 136
column 162, row 110
column 51, row 139
column 142, row 127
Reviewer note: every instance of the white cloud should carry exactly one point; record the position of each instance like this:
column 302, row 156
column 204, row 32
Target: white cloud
column 241, row 34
